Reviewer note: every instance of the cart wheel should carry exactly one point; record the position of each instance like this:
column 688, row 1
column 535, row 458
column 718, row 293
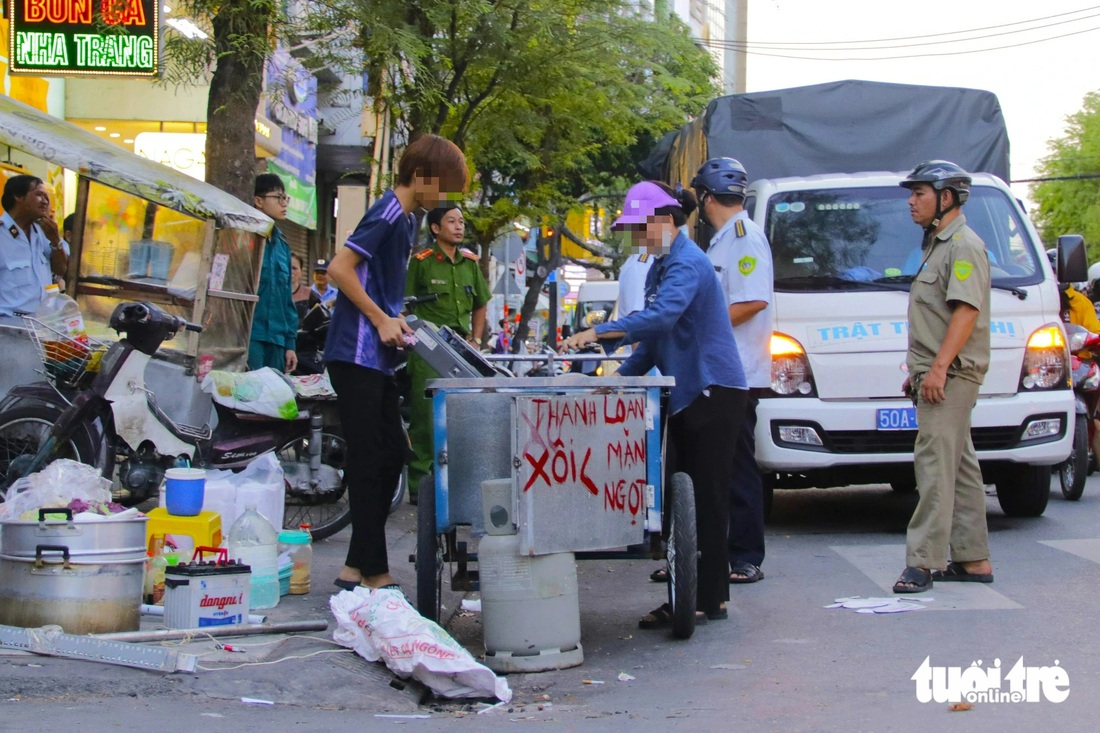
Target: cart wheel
column 429, row 561
column 683, row 556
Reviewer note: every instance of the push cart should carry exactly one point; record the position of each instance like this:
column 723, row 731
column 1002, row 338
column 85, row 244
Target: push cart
column 584, row 457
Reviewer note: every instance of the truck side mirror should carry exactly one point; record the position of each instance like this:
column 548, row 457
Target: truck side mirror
column 1073, row 262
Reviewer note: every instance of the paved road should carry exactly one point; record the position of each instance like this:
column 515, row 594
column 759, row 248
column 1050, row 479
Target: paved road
column 781, row 662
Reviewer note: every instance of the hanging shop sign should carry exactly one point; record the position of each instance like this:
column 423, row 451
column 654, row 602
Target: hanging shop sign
column 85, row 37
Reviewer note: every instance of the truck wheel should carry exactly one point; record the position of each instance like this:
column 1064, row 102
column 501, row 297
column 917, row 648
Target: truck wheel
column 1072, row 473
column 683, row 556
column 1024, row 491
column 429, row 560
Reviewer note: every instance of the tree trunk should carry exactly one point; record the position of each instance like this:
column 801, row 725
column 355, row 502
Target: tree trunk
column 538, row 279
column 235, row 90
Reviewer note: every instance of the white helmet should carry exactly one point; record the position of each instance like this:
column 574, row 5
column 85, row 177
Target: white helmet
column 1094, row 273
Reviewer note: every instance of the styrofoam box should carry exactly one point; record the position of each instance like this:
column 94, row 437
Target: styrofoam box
column 229, row 499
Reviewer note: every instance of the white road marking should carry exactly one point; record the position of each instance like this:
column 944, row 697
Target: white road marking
column 1088, row 549
column 884, row 563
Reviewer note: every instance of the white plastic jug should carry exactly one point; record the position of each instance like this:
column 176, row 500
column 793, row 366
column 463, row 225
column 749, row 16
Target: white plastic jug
column 254, row 542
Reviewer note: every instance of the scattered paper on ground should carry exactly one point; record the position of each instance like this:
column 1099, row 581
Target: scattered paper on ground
column 624, row 677
column 894, row 604
column 471, row 604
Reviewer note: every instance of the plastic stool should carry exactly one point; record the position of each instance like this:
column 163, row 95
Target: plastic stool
column 205, row 528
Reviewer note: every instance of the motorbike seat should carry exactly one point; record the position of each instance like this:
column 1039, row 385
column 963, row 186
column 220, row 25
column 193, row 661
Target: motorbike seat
column 254, row 417
column 245, row 416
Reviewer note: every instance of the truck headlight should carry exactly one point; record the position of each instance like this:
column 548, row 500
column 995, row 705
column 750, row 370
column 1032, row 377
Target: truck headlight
column 1046, row 360
column 791, row 375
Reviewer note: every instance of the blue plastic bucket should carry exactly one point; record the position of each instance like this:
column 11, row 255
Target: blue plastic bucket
column 184, row 490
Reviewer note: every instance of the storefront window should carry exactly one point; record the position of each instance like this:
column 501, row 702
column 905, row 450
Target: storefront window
column 135, row 250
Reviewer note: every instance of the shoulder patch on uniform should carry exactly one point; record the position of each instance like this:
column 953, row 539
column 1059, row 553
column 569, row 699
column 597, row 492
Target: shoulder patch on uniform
column 963, row 269
column 739, row 227
column 423, row 254
column 13, row 230
column 746, row 264
column 643, row 257
column 468, row 254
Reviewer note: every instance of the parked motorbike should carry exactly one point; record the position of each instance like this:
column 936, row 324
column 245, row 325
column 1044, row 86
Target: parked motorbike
column 1086, row 389
column 116, row 419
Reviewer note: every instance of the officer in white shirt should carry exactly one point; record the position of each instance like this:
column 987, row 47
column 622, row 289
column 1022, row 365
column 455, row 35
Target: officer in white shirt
column 632, row 283
column 30, row 245
column 743, row 261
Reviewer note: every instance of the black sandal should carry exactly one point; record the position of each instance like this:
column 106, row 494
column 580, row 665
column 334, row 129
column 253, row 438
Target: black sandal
column 914, row 580
column 751, row 572
column 660, row 575
column 661, row 618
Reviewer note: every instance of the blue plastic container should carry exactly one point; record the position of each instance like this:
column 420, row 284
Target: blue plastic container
column 184, row 490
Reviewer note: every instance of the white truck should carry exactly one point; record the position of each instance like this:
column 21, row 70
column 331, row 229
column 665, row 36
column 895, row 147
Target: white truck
column 844, row 245
column 844, row 249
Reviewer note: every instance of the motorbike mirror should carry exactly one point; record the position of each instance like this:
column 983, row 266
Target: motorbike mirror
column 1073, row 263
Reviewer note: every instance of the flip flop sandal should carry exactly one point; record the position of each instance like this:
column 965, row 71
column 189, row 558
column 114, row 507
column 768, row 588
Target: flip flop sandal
column 661, row 618
column 346, row 584
column 751, row 572
column 659, row 576
column 956, row 573
column 914, row 580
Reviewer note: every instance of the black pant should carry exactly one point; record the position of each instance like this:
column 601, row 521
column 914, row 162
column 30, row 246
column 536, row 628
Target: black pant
column 746, row 540
column 367, row 401
column 700, row 441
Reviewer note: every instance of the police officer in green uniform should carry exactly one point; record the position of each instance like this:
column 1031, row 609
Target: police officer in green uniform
column 451, row 273
column 947, row 360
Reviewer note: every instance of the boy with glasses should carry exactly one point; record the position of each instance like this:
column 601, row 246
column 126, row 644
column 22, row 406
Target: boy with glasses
column 275, row 321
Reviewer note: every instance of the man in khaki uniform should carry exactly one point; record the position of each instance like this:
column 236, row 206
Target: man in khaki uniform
column 948, row 358
column 451, row 273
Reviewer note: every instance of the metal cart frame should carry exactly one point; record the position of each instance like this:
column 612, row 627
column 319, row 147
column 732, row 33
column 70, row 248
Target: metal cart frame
column 477, row 429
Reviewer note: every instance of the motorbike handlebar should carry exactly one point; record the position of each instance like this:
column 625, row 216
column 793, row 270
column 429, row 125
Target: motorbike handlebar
column 130, row 314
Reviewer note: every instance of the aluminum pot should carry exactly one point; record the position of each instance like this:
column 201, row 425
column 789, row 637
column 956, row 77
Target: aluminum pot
column 83, row 576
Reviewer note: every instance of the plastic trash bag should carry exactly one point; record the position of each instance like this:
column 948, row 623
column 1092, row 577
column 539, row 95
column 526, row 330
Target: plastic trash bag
column 55, row 486
column 380, row 624
column 264, row 392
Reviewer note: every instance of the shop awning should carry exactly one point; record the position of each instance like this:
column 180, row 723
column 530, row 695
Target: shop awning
column 61, row 143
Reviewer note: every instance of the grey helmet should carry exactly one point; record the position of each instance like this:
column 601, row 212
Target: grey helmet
column 941, row 174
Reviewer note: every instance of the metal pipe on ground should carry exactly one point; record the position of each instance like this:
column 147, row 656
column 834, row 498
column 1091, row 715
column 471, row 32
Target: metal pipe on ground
column 281, row 627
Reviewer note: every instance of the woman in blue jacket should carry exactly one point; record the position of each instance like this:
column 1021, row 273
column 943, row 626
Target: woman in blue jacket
column 684, row 330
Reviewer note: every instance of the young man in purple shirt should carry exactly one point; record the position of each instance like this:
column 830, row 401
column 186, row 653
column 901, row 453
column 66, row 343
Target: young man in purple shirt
column 366, row 331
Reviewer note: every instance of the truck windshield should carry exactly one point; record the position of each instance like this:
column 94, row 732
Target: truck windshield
column 864, row 238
